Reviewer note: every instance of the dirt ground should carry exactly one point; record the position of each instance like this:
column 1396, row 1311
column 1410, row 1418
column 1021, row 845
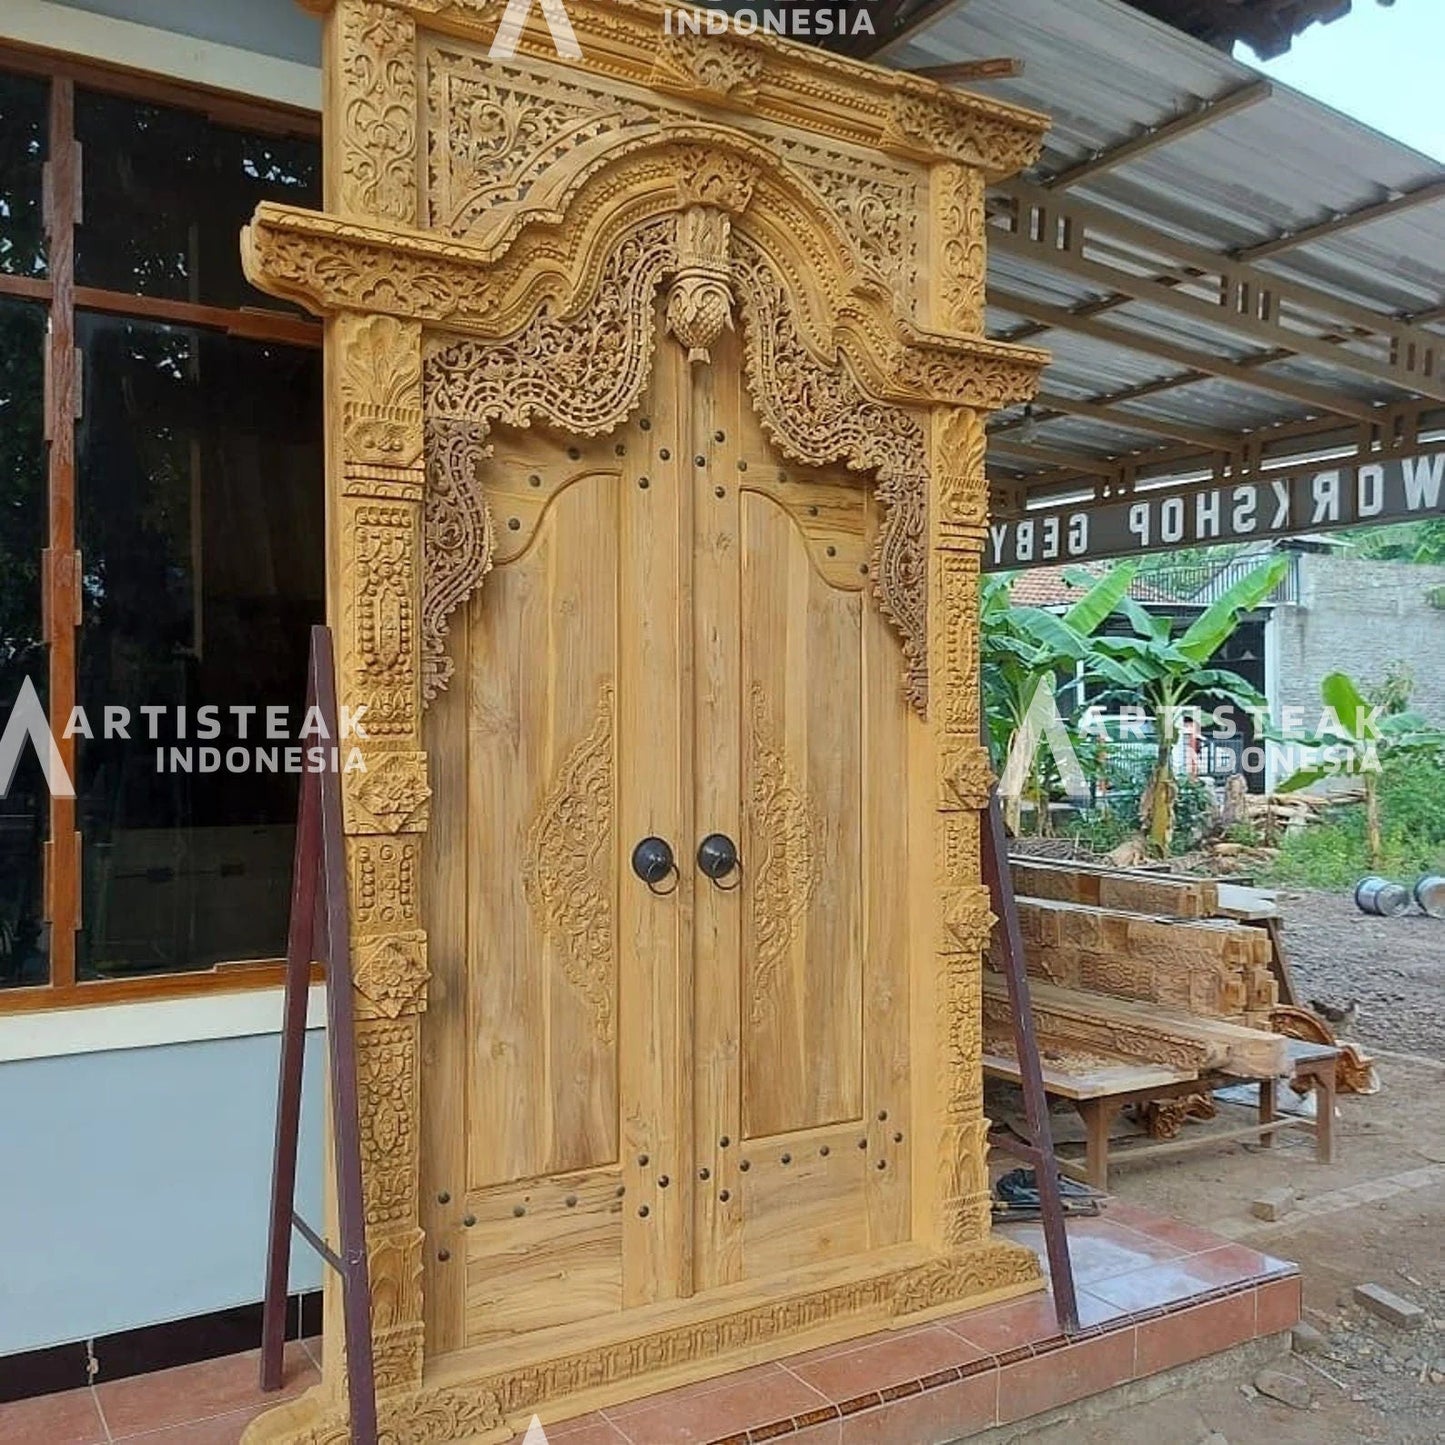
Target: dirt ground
column 1394, row 967
column 1376, row 1215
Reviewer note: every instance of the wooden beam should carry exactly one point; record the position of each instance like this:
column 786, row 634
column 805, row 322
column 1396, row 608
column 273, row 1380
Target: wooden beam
column 1061, row 319
column 959, row 72
column 1344, row 221
column 1205, row 114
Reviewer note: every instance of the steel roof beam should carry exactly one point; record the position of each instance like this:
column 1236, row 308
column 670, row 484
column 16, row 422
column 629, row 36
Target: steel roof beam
column 1105, row 409
column 1060, row 318
column 1044, row 456
column 1205, row 114
column 1071, row 236
column 1345, row 221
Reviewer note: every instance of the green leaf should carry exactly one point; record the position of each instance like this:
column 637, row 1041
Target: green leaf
column 1348, row 704
column 1101, row 599
column 1303, row 778
column 1217, row 622
column 1056, row 639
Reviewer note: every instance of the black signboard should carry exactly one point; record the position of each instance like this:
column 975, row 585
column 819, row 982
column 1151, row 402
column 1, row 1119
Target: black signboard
column 1398, row 489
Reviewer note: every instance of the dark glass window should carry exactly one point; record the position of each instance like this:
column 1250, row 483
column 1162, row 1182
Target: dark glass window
column 22, row 157
column 199, row 503
column 25, row 804
column 167, row 192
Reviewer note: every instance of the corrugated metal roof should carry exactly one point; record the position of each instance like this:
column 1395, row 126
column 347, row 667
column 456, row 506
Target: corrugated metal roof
column 1107, row 73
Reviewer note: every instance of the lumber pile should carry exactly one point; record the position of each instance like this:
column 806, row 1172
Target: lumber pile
column 1081, row 1024
column 1151, row 942
column 1130, row 966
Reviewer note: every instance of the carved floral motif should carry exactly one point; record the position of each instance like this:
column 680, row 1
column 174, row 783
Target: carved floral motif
column 960, row 258
column 567, row 868
column 387, row 1111
column 700, row 304
column 708, row 67
column 378, row 131
column 495, row 130
column 380, row 381
column 390, row 973
column 391, row 796
column 784, row 832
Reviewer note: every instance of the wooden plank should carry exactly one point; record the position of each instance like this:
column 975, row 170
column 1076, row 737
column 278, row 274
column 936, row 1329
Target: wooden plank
column 1104, row 1079
column 1137, row 892
column 1146, row 1031
column 1245, row 904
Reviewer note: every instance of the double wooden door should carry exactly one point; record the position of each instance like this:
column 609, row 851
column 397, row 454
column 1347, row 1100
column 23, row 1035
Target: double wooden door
column 638, row 1092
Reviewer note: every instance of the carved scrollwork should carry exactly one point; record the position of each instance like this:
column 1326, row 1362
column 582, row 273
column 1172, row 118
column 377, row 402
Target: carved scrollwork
column 567, row 868
column 819, row 414
column 582, row 373
column 785, row 864
column 458, row 536
column 959, row 221
column 708, row 177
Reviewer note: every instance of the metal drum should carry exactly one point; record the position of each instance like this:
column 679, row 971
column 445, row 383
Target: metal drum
column 1430, row 895
column 1379, row 895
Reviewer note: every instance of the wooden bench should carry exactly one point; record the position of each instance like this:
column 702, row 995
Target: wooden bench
column 1101, row 1093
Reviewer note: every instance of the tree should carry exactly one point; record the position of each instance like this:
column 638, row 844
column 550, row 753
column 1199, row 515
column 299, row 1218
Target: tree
column 1355, row 740
column 1167, row 675
column 1024, row 649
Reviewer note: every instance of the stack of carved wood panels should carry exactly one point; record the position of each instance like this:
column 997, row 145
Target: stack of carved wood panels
column 1131, row 966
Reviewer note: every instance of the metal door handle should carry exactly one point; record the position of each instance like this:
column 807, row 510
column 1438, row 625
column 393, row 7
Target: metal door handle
column 653, row 862
column 717, row 857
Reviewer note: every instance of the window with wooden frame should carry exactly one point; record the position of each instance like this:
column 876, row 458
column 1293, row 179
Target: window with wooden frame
column 161, row 538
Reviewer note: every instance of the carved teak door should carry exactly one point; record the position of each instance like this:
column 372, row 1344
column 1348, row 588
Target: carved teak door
column 642, row 1094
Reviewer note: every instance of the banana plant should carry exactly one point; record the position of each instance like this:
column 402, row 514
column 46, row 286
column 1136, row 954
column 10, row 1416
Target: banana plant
column 1026, row 648
column 1167, row 675
column 1354, row 740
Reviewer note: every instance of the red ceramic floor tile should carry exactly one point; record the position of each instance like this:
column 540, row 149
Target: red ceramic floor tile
column 1174, row 1281
column 930, row 1418
column 218, row 1430
column 197, row 1392
column 883, row 1361
column 594, row 1429
column 1099, row 1248
column 1188, row 1237
column 1175, row 1339
column 70, row 1418
column 1004, row 1327
column 695, row 1415
column 1033, row 1386
column 1277, row 1306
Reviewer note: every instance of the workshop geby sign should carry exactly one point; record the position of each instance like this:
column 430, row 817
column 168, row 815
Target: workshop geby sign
column 1396, row 490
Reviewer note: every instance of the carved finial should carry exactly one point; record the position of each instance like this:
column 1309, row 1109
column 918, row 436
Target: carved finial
column 699, row 306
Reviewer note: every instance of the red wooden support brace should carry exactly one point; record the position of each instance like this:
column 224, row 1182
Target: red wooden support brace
column 320, row 930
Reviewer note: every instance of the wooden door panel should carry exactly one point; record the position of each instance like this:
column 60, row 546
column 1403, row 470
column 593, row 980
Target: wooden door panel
column 557, row 1261
column 542, row 874
column 802, row 714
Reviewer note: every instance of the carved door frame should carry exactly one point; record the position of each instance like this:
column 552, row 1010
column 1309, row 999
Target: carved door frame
column 537, row 303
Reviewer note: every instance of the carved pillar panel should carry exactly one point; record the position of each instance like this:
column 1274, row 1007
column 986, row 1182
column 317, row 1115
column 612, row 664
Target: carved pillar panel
column 377, row 476
column 956, row 543
column 958, row 523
